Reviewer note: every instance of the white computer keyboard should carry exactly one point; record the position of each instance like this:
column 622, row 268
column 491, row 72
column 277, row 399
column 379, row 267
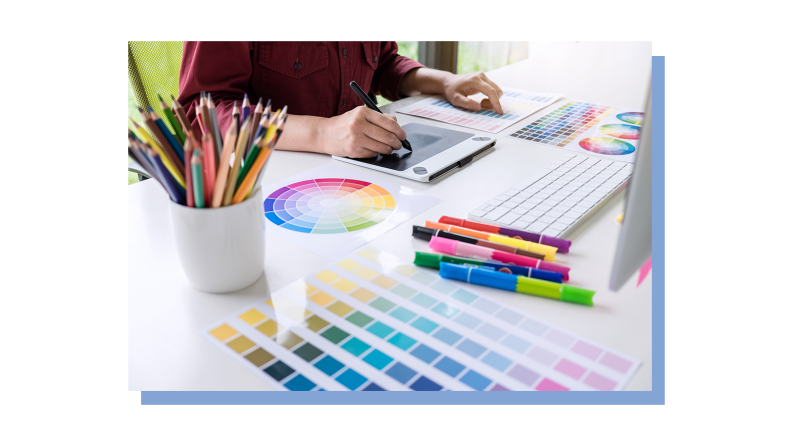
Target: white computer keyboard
column 558, row 197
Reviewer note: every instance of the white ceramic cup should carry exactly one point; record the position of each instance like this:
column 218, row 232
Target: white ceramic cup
column 221, row 249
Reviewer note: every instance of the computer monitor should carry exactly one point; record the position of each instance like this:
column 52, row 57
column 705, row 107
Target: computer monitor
column 635, row 237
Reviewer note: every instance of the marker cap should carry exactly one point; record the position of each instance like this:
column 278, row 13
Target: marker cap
column 547, row 275
column 444, row 245
column 577, row 295
column 423, row 233
column 479, row 276
column 428, row 259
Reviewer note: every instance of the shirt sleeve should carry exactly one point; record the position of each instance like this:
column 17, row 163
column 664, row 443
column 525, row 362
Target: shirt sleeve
column 391, row 70
column 223, row 69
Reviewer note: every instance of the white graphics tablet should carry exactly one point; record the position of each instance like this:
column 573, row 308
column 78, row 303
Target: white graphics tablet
column 436, row 153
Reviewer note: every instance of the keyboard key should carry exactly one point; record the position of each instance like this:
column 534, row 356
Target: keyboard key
column 489, row 208
column 478, row 213
column 527, row 219
column 558, row 226
column 509, row 218
column 523, row 209
column 516, row 200
column 554, row 213
column 503, row 197
column 513, row 192
column 543, row 207
column 537, row 227
column 562, row 208
column 497, row 213
column 533, row 200
column 524, row 195
column 495, row 202
column 508, row 205
column 535, row 213
column 541, row 195
column 520, row 224
column 545, row 219
column 573, row 214
column 566, row 220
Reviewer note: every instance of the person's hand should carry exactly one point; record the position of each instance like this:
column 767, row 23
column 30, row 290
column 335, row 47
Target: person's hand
column 457, row 88
column 361, row 133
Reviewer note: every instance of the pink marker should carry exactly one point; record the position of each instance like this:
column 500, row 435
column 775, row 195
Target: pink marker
column 454, row 248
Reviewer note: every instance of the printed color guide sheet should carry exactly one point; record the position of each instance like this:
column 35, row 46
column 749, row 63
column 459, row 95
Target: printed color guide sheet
column 588, row 128
column 516, row 104
column 373, row 322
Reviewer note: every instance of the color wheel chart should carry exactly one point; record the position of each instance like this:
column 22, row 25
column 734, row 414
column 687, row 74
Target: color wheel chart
column 328, row 205
column 372, row 322
column 581, row 126
column 517, row 104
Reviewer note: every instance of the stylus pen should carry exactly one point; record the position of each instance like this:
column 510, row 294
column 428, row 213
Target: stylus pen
column 370, row 104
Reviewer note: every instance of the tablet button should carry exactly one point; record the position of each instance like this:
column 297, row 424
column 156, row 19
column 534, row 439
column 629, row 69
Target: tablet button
column 481, row 138
column 420, row 170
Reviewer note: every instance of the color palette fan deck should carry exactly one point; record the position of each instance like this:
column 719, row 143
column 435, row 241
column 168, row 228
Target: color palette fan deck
column 328, row 205
column 581, row 127
column 372, row 322
column 517, row 104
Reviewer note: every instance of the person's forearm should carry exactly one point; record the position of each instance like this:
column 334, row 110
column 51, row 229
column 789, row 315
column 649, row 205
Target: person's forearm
column 301, row 134
column 424, row 80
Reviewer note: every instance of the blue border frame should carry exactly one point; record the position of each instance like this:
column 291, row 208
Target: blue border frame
column 655, row 396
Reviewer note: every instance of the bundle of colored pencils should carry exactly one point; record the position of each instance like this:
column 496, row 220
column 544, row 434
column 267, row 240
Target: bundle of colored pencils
column 197, row 166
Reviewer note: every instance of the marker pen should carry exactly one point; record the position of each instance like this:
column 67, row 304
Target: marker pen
column 520, row 284
column 454, row 248
column 548, row 251
column 433, row 261
column 561, row 244
column 427, row 233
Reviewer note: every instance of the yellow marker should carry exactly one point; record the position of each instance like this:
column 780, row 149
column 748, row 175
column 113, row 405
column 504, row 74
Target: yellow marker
column 620, row 218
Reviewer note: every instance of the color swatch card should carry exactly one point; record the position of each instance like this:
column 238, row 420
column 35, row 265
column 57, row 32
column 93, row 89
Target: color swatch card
column 588, row 128
column 332, row 210
column 516, row 104
column 374, row 322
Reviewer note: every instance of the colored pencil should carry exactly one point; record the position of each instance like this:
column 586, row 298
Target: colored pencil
column 282, row 117
column 172, row 119
column 208, row 168
column 247, row 184
column 249, row 159
column 188, row 189
column 197, row 178
column 235, row 118
column 218, row 138
column 263, row 123
column 167, row 180
column 135, row 150
column 205, row 119
column 182, row 116
column 168, row 135
column 245, row 108
column 232, row 179
column 167, row 150
column 222, row 171
column 170, row 166
column 256, row 118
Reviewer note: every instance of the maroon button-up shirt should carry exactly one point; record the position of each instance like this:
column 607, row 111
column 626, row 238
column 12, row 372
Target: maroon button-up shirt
column 312, row 78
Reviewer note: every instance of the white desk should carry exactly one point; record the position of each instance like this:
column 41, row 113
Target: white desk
column 166, row 351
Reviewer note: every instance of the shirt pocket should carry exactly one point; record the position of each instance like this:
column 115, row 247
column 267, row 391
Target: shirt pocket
column 371, row 52
column 294, row 59
column 295, row 74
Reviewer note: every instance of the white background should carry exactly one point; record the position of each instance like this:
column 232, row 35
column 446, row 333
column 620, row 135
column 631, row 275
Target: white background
column 64, row 250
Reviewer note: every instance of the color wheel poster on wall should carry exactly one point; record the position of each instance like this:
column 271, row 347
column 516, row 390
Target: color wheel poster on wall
column 332, row 210
column 610, row 132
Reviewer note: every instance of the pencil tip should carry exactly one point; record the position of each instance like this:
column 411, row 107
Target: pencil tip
column 160, row 98
column 269, row 101
column 151, row 110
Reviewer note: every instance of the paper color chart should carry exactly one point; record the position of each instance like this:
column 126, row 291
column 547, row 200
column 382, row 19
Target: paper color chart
column 373, row 322
column 587, row 128
column 328, row 205
column 517, row 104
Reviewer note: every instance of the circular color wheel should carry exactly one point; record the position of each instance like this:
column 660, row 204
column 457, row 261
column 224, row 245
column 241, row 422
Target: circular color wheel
column 631, row 117
column 329, row 206
column 621, row 131
column 607, row 146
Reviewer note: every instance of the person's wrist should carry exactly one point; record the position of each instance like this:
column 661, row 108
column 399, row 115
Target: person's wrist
column 319, row 134
column 446, row 81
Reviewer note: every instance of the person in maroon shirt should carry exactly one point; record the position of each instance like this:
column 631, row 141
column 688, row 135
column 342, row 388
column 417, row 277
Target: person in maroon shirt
column 313, row 78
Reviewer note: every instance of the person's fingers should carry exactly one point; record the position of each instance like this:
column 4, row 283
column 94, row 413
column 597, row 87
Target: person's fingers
column 485, row 103
column 375, row 146
column 494, row 85
column 381, row 135
column 491, row 94
column 360, row 152
column 386, row 123
column 463, row 101
column 391, row 117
